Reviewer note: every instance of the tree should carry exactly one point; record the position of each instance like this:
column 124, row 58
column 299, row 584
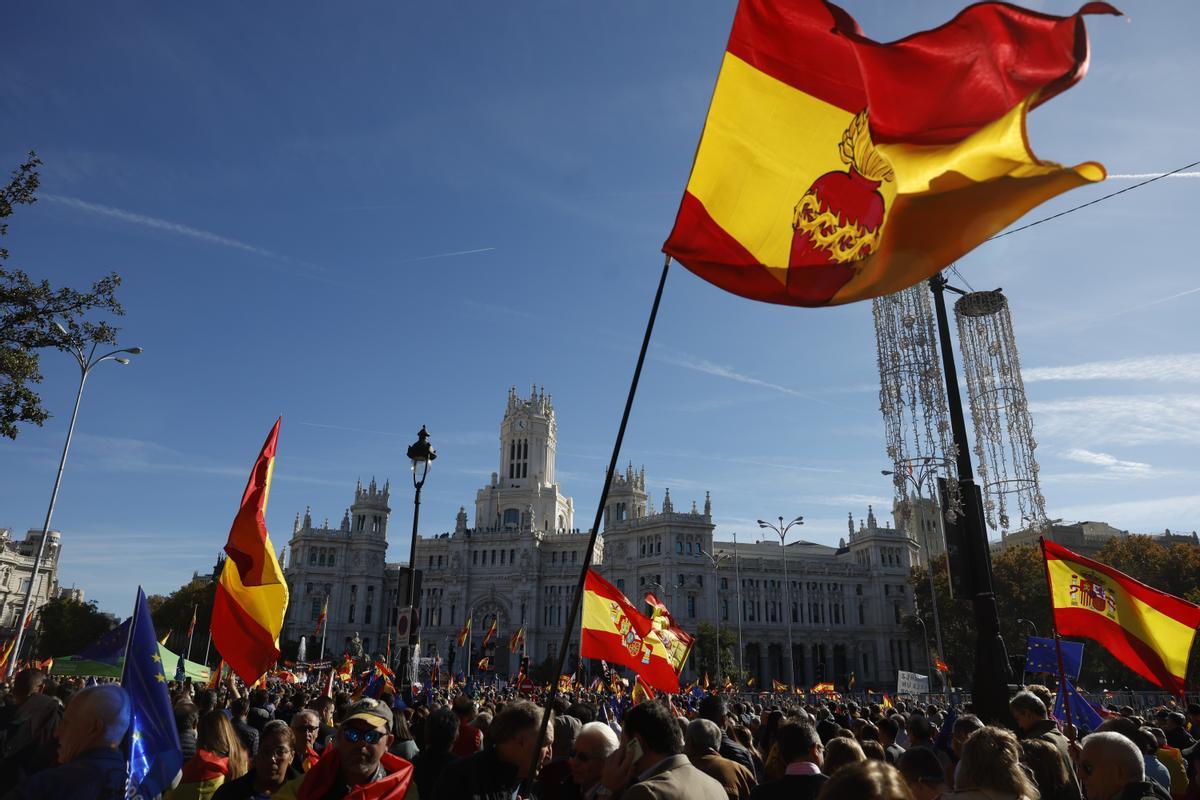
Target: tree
column 706, row 662
column 68, row 626
column 1019, row 582
column 174, row 613
column 31, row 313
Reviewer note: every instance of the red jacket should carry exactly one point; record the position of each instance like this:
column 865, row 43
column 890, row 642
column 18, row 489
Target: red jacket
column 469, row 741
column 319, row 780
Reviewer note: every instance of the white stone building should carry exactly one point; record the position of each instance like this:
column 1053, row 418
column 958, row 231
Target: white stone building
column 520, row 560
column 16, row 570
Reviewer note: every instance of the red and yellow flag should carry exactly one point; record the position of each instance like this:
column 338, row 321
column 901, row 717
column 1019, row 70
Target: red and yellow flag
column 491, row 631
column 642, row 692
column 678, row 642
column 516, row 640
column 778, row 685
column 1147, row 630
column 167, row 635
column 833, row 168
column 464, row 633
column 612, row 629
column 251, row 595
column 823, row 688
column 323, row 615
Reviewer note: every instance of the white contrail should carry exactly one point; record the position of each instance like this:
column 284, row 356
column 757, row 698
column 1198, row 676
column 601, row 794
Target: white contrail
column 161, row 225
column 448, row 255
column 1142, row 175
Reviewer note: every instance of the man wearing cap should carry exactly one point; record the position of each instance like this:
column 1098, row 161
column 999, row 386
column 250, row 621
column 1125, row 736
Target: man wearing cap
column 357, row 764
column 1177, row 735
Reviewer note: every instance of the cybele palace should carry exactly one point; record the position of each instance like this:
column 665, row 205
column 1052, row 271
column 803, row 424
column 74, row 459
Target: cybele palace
column 519, row 562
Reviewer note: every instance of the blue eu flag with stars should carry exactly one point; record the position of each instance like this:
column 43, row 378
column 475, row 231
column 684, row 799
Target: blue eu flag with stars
column 155, row 756
column 1040, row 656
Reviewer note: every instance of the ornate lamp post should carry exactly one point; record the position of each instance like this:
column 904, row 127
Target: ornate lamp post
column 782, row 531
column 716, row 561
column 421, row 454
column 86, row 362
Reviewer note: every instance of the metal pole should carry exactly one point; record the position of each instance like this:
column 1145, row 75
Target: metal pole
column 716, row 620
column 324, row 629
column 410, row 595
column 37, row 561
column 992, row 669
column 209, row 645
column 937, row 622
column 787, row 598
column 191, row 632
column 737, row 576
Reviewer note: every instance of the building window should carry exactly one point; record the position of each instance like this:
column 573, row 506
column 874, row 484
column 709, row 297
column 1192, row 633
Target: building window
column 621, row 587
column 691, row 606
column 474, row 558
column 501, row 558
column 574, row 557
column 330, row 562
column 366, row 617
column 725, row 609
column 351, row 619
column 316, row 609
column 678, row 545
column 312, row 556
column 321, row 557
column 308, row 588
column 724, row 585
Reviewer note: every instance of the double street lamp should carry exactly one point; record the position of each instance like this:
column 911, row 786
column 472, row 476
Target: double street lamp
column 87, row 362
column 781, row 531
column 716, row 560
column 421, row 454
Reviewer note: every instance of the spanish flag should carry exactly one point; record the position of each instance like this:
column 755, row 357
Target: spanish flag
column 487, row 637
column 678, row 642
column 833, row 168
column 516, row 640
column 612, row 629
column 823, row 688
column 642, row 692
column 464, row 633
column 1147, row 630
column 778, row 685
column 251, row 595
column 323, row 615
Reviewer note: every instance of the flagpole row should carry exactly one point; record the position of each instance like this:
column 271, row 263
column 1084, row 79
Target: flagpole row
column 573, row 615
column 1062, row 672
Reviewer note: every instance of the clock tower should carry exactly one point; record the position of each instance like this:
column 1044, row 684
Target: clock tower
column 524, row 494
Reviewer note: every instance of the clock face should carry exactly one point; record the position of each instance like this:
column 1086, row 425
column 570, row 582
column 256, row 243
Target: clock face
column 521, row 424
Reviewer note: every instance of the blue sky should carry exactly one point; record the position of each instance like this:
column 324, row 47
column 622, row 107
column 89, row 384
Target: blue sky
column 375, row 217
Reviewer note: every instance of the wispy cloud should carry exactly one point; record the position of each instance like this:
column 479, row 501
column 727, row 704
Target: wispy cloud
column 349, row 429
column 167, row 226
column 1128, row 420
column 1105, row 460
column 1151, row 514
column 447, row 255
column 1181, row 367
column 1144, row 175
column 707, row 367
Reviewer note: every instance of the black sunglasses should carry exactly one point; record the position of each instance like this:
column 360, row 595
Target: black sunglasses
column 353, row 735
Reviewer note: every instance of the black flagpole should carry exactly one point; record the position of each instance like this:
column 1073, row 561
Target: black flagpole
column 587, row 556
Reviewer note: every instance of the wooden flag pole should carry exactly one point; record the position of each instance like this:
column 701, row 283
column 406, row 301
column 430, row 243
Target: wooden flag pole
column 587, row 555
column 1062, row 672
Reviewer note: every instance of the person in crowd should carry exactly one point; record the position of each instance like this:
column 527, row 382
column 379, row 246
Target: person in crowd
column 1054, row 778
column 27, row 728
column 219, row 757
column 745, row 737
column 800, row 748
column 441, row 731
column 960, row 731
column 470, row 738
column 1032, row 718
column 554, row 779
column 357, row 764
column 305, row 727
column 840, row 751
column 187, row 717
column 593, row 745
column 702, row 743
column 1175, row 727
column 270, row 768
column 239, row 710
column 402, row 742
column 873, row 749
column 92, row 766
column 1112, row 768
column 505, row 766
column 923, row 773
column 889, row 729
column 991, row 769
column 324, row 706
column 866, row 780
column 713, row 708
column 1155, row 770
column 1173, row 760
column 650, row 764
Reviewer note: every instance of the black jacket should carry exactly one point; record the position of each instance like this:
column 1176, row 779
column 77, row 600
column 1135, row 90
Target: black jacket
column 428, row 766
column 790, row 787
column 479, row 776
column 734, row 751
column 243, row 787
column 1143, row 790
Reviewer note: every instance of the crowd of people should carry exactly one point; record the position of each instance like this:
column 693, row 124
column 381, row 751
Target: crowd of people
column 64, row 739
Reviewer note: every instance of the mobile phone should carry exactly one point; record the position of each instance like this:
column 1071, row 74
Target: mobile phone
column 634, row 747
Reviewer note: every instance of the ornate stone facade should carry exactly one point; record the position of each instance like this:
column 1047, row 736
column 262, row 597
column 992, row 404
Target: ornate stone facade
column 520, row 562
column 16, row 569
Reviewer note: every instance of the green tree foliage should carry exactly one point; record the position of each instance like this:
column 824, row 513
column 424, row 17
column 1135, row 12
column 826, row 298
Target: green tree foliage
column 1019, row 580
column 704, row 651
column 67, row 626
column 29, row 310
column 173, row 612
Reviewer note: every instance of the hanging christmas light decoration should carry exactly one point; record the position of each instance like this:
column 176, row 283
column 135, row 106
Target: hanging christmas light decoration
column 912, row 398
column 1004, row 443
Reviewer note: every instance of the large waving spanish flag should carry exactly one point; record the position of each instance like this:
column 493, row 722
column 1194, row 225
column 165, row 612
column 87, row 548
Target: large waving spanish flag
column 612, row 629
column 251, row 595
column 1147, row 630
column 833, row 168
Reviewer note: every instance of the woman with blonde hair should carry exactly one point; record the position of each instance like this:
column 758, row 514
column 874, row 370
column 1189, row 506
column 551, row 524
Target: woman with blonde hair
column 219, row 757
column 866, row 780
column 991, row 768
column 839, row 752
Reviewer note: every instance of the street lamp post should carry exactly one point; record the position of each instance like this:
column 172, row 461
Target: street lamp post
column 922, row 470
column 737, row 577
column 782, row 531
column 925, row 636
column 716, row 560
column 421, row 454
column 86, row 363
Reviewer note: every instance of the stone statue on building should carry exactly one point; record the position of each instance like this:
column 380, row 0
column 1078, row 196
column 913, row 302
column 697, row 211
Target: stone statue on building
column 355, row 648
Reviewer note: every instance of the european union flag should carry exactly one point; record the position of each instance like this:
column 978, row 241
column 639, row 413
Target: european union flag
column 180, row 674
column 1083, row 715
column 1041, row 656
column 109, row 648
column 155, row 756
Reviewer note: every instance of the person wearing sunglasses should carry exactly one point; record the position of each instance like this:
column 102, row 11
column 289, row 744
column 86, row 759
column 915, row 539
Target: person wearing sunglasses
column 1112, row 768
column 305, row 725
column 593, row 745
column 357, row 765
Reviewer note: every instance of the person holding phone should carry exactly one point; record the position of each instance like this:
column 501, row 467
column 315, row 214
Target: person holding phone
column 650, row 764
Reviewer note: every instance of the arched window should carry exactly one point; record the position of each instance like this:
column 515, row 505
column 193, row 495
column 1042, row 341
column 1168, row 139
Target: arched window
column 330, row 562
column 312, row 556
column 512, row 517
column 679, row 544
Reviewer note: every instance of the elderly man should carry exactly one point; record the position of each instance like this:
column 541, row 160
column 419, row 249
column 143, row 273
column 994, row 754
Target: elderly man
column 1032, row 718
column 357, row 764
column 502, row 768
column 28, row 728
column 89, row 742
column 270, row 768
column 713, row 708
column 1111, row 768
column 702, row 743
column 802, row 751
column 650, row 764
column 305, row 726
column 594, row 743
